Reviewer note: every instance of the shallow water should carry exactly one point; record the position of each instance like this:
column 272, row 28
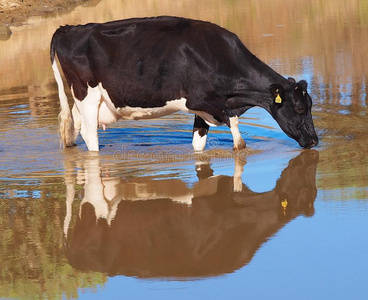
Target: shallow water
column 273, row 221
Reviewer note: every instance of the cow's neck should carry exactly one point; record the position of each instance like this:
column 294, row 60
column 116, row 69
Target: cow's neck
column 260, row 95
column 250, row 99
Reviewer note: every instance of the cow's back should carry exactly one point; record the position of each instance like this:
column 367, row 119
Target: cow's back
column 146, row 62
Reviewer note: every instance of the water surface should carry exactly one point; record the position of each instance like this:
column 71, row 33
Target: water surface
column 147, row 217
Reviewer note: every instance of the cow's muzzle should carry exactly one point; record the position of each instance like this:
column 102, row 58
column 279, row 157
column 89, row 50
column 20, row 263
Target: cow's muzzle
column 312, row 143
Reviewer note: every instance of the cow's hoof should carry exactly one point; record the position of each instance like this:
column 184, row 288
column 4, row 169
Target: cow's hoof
column 240, row 145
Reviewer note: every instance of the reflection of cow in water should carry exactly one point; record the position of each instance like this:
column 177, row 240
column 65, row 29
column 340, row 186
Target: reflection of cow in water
column 219, row 233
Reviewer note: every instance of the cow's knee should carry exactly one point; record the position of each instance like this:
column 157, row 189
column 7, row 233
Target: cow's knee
column 200, row 131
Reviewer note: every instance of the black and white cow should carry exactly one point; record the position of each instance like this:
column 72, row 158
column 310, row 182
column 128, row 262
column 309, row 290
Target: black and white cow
column 151, row 67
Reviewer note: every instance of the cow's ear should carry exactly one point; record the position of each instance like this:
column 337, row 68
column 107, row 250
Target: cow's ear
column 291, row 79
column 303, row 84
column 277, row 92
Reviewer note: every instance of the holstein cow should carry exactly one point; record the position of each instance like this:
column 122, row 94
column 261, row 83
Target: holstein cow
column 151, row 67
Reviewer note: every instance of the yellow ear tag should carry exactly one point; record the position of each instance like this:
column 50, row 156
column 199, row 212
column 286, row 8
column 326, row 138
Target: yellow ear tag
column 278, row 99
column 284, row 203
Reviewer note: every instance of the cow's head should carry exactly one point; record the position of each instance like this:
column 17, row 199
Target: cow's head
column 291, row 108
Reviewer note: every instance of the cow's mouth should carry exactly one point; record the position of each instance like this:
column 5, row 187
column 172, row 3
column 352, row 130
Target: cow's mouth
column 312, row 143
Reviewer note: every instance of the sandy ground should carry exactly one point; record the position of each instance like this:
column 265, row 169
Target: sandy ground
column 16, row 12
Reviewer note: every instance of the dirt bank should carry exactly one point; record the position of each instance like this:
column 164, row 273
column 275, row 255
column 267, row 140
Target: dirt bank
column 16, row 12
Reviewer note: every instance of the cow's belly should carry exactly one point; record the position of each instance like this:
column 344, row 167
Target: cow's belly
column 109, row 113
column 209, row 119
column 137, row 113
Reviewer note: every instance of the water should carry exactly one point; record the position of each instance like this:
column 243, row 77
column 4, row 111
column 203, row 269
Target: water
column 274, row 221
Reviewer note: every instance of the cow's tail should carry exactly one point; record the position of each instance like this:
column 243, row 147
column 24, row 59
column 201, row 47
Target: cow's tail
column 66, row 123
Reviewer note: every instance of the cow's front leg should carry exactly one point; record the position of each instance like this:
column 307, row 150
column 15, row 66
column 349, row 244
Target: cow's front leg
column 200, row 131
column 239, row 143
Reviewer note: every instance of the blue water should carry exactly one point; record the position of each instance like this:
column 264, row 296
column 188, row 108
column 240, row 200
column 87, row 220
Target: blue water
column 277, row 222
column 309, row 258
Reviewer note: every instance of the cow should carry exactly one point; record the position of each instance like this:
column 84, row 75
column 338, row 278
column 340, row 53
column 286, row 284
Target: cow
column 146, row 68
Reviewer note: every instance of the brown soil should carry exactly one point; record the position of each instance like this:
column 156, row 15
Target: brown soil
column 16, row 12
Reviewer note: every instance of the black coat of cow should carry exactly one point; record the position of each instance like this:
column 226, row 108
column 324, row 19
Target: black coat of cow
column 145, row 64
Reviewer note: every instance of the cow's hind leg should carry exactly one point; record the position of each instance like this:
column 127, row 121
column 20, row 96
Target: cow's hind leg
column 88, row 110
column 234, row 128
column 200, row 131
column 65, row 118
column 77, row 121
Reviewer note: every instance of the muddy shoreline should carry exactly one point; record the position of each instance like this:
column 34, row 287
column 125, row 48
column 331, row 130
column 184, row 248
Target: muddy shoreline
column 17, row 12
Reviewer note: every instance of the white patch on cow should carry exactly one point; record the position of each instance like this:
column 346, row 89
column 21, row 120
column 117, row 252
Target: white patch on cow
column 199, row 142
column 234, row 128
column 88, row 109
column 138, row 113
